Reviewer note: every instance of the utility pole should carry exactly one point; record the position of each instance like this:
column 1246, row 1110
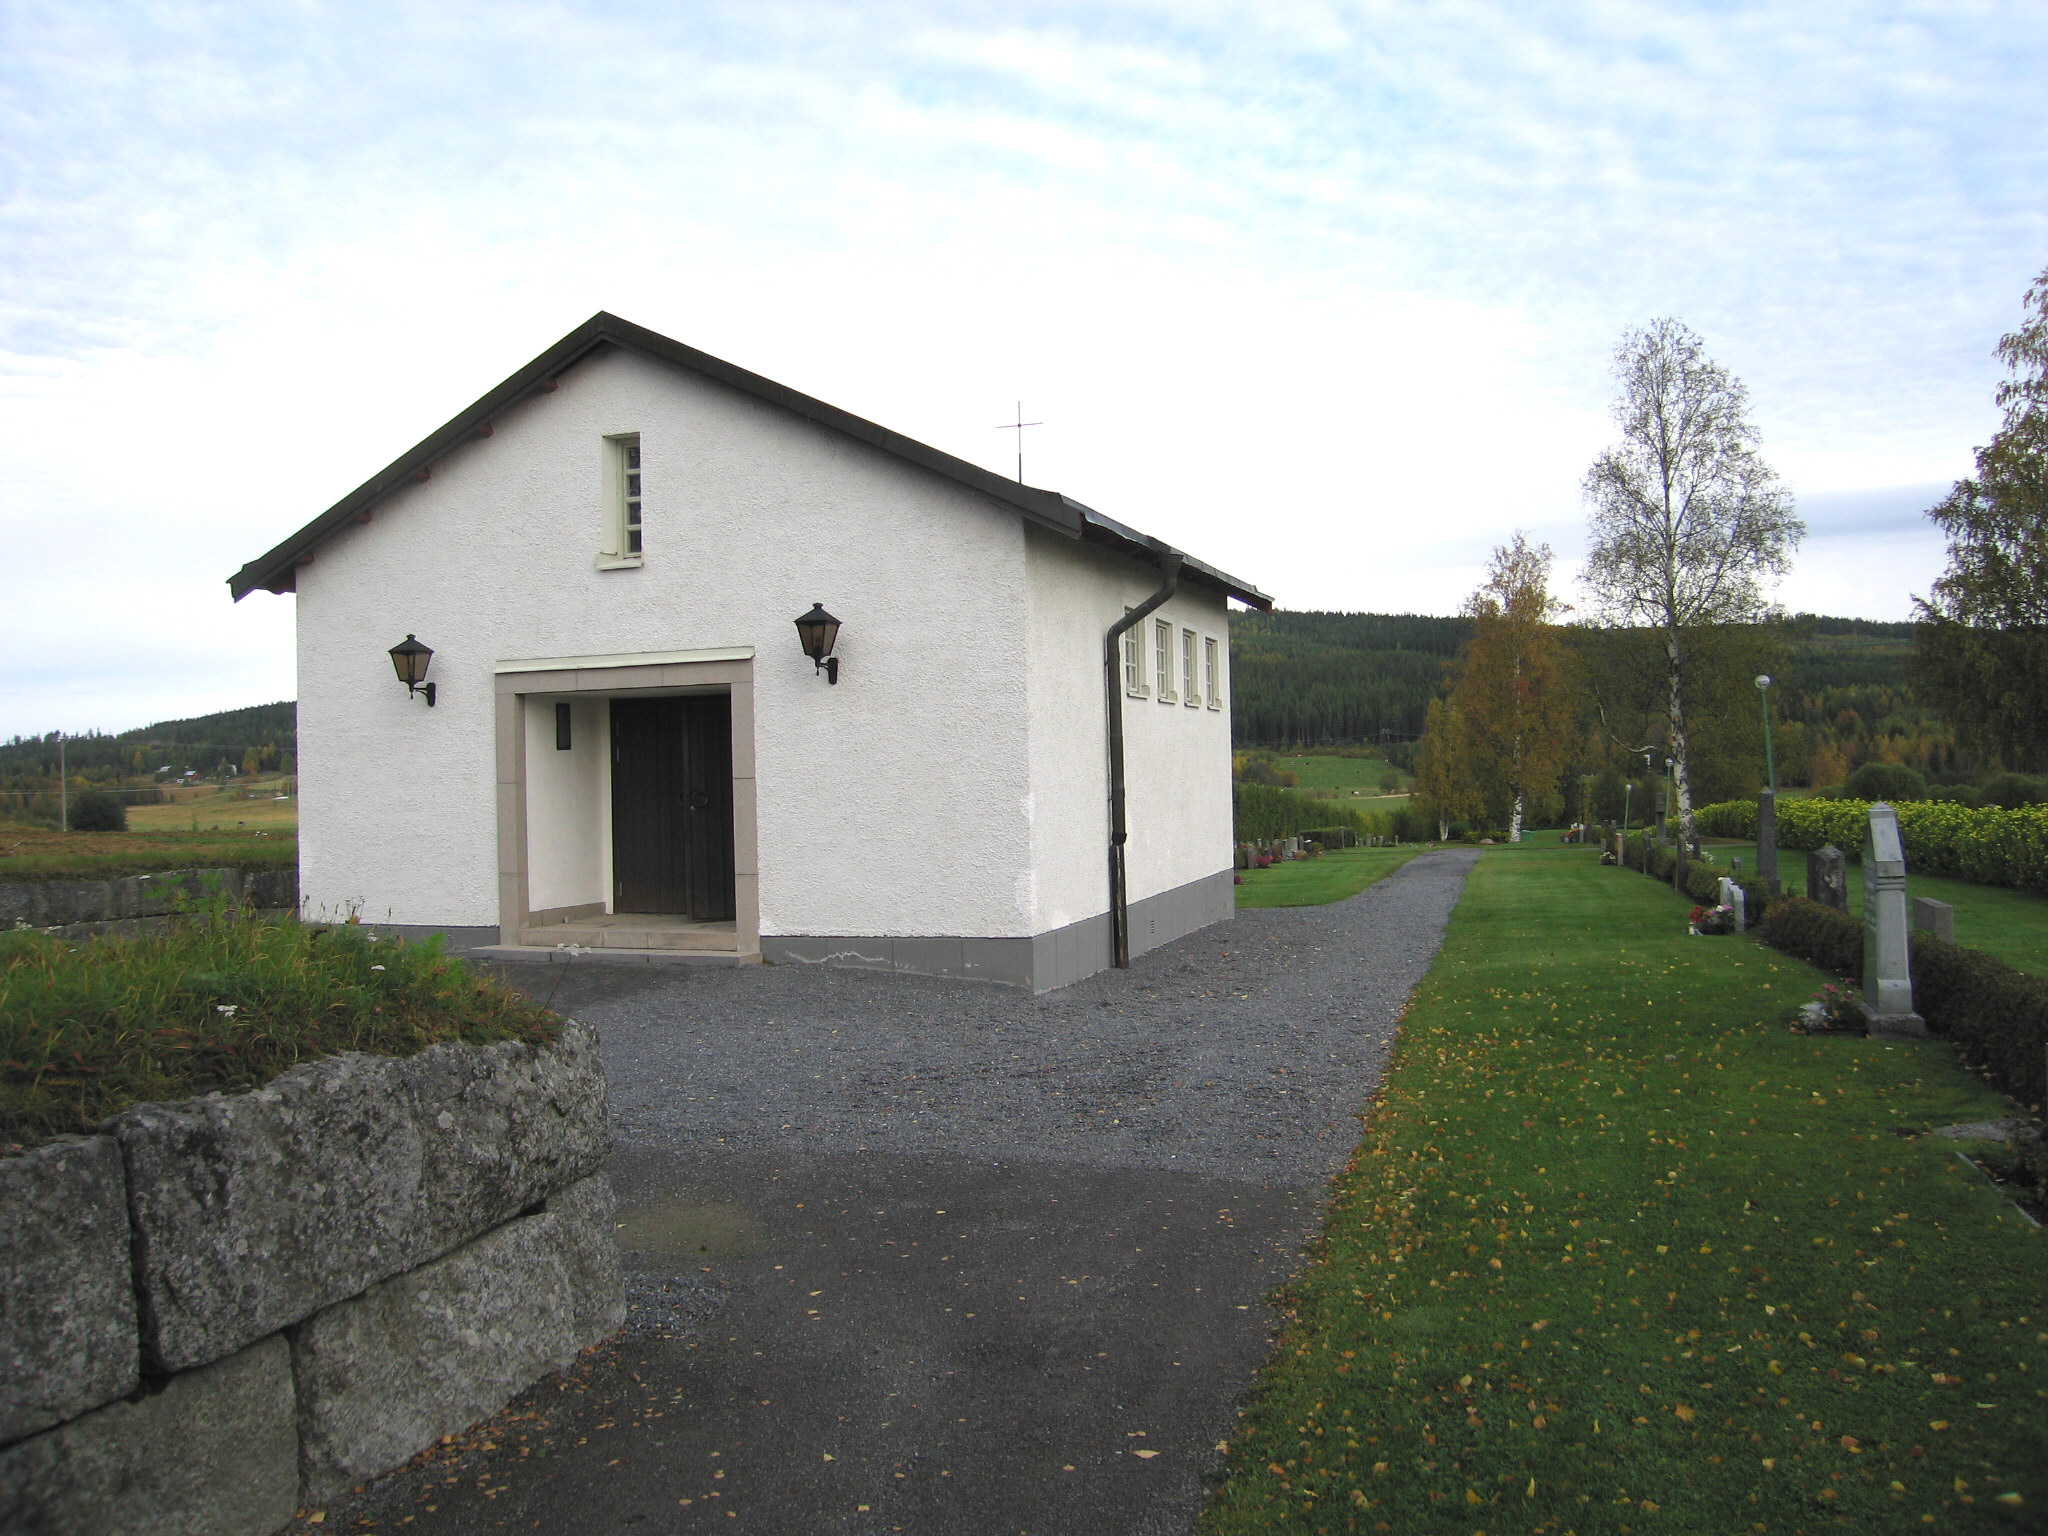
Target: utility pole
column 1018, row 427
column 63, row 789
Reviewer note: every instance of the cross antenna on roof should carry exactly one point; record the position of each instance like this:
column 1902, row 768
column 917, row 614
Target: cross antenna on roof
column 1018, row 427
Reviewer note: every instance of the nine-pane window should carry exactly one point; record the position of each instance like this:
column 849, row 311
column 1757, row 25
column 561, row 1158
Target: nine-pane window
column 1211, row 664
column 1134, row 661
column 1162, row 659
column 1189, row 693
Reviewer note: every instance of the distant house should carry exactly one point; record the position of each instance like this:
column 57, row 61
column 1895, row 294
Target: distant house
column 628, row 748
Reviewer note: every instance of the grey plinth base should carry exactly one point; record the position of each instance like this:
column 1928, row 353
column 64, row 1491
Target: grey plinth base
column 1893, row 1026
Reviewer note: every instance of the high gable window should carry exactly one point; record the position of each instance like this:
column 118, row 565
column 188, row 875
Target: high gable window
column 625, row 523
column 1212, row 669
column 1162, row 659
column 629, row 497
column 1190, row 695
column 1134, row 662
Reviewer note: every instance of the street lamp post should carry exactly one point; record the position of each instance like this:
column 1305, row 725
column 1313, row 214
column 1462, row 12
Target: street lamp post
column 1628, row 791
column 1767, row 802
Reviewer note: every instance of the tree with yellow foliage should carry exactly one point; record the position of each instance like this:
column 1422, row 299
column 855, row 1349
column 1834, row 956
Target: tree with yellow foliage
column 1509, row 689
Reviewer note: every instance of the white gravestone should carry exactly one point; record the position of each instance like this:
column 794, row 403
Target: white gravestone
column 1887, row 969
column 1736, row 903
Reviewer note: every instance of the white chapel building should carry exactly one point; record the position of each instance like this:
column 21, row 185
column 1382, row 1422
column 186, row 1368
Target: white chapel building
column 622, row 740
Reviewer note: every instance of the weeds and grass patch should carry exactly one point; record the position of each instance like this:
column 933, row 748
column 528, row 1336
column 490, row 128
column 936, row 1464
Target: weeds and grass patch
column 1317, row 882
column 220, row 1001
column 40, row 853
column 2012, row 925
column 1621, row 1254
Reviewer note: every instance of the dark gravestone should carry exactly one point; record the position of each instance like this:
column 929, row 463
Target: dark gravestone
column 1827, row 878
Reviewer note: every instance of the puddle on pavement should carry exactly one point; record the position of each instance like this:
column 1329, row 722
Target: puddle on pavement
column 690, row 1229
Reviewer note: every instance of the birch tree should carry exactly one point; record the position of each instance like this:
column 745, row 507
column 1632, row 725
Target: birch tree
column 1983, row 630
column 1443, row 789
column 1689, row 524
column 1509, row 692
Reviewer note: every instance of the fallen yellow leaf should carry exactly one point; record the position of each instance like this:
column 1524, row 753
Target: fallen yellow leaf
column 1145, row 1455
column 1685, row 1414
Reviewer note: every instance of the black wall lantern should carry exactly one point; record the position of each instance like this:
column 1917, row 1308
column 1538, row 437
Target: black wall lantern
column 410, row 659
column 819, row 631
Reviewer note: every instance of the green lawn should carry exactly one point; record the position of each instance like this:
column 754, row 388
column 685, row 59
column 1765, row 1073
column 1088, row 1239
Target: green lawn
column 1621, row 1254
column 2012, row 925
column 1316, row 882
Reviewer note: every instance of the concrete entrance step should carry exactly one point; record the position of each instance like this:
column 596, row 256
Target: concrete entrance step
column 637, row 930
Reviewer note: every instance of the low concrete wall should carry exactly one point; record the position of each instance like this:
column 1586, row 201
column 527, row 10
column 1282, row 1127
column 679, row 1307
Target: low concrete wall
column 137, row 903
column 221, row 1310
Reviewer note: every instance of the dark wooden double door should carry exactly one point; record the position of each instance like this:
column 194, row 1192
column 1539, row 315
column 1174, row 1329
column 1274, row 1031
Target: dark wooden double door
column 672, row 806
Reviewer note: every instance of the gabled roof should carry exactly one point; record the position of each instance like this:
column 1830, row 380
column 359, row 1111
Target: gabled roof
column 276, row 571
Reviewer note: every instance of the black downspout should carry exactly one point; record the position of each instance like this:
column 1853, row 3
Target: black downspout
column 1113, row 701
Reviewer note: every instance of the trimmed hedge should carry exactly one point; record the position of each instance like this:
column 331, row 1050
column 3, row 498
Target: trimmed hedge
column 1996, row 1015
column 1814, row 933
column 1266, row 812
column 1981, row 844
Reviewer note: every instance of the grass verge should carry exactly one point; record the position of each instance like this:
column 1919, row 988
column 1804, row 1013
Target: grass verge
column 1619, row 1253
column 221, row 1001
column 39, row 853
column 1317, row 882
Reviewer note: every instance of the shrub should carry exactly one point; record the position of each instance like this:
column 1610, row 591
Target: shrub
column 2010, row 791
column 1885, row 781
column 1996, row 1015
column 1820, row 935
column 97, row 811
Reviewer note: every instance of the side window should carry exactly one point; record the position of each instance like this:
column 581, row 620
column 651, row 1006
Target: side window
column 1190, row 695
column 1134, row 661
column 1212, row 659
column 1162, row 659
column 623, row 519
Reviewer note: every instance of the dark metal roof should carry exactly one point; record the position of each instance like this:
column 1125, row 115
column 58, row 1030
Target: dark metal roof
column 276, row 570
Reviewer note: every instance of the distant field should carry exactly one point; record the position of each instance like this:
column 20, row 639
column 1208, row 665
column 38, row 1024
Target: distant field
column 252, row 806
column 1344, row 775
column 35, row 853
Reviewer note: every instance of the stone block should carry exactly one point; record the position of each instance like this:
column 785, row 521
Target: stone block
column 68, row 1337
column 271, row 889
column 382, row 1376
column 1935, row 917
column 587, row 1218
column 252, row 1211
column 215, row 1453
column 71, row 901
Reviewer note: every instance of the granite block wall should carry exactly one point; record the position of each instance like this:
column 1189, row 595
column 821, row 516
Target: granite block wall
column 224, row 1309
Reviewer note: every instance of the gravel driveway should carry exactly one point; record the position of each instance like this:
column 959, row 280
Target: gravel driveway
column 912, row 1254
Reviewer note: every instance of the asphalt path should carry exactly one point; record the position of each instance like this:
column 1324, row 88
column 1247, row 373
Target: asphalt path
column 914, row 1255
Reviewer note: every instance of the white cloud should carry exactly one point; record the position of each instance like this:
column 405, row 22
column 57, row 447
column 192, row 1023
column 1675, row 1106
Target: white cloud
column 1323, row 292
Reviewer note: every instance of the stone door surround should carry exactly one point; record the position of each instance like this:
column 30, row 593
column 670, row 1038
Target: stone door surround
column 725, row 669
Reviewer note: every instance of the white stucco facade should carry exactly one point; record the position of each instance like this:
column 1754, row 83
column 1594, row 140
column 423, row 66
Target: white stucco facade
column 952, row 786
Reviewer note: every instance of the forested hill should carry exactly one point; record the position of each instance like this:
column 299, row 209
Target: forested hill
column 1318, row 679
column 202, row 744
column 1326, row 679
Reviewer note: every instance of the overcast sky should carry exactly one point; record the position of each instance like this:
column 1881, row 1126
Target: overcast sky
column 1323, row 293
